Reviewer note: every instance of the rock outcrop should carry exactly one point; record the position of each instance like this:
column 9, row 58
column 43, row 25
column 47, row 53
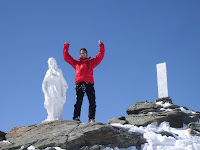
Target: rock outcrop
column 142, row 108
column 144, row 113
column 71, row 135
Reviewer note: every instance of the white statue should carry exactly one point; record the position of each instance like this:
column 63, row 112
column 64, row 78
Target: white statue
column 54, row 87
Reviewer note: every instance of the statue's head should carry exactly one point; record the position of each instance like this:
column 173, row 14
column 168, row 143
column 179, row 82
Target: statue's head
column 52, row 63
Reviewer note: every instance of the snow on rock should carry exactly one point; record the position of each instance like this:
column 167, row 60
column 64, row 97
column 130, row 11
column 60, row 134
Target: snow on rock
column 54, row 87
column 116, row 148
column 31, row 148
column 144, row 113
column 48, row 148
column 182, row 140
column 163, row 104
column 187, row 111
column 4, row 141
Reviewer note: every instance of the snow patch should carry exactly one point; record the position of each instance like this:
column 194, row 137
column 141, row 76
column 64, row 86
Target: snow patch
column 31, row 148
column 48, row 148
column 166, row 109
column 116, row 148
column 4, row 141
column 187, row 111
column 182, row 141
column 163, row 104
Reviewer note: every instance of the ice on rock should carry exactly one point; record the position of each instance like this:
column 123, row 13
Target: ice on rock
column 54, row 87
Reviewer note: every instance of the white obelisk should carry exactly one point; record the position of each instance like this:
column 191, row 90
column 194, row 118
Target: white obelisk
column 162, row 80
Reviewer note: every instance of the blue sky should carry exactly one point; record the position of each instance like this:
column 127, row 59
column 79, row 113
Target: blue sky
column 137, row 35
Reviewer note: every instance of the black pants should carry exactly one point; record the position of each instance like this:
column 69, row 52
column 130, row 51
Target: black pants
column 81, row 89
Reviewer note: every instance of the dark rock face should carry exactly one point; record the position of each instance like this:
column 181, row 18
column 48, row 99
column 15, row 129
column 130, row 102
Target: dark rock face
column 72, row 135
column 165, row 133
column 2, row 136
column 144, row 113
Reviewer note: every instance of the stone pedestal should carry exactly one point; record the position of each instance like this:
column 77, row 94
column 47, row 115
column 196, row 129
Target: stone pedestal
column 164, row 100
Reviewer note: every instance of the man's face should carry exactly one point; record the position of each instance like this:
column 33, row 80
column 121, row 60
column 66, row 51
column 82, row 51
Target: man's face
column 83, row 54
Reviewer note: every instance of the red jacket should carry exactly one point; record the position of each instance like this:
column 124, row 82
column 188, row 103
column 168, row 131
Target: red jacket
column 84, row 68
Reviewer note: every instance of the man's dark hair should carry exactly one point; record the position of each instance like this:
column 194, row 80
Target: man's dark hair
column 83, row 49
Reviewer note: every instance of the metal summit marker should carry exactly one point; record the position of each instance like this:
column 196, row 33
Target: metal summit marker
column 162, row 80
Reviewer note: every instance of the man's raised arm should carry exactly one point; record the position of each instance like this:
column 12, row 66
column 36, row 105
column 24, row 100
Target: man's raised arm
column 99, row 57
column 67, row 57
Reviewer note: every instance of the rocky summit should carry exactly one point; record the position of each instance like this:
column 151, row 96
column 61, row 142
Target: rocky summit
column 73, row 135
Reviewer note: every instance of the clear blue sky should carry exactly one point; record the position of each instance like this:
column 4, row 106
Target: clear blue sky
column 137, row 35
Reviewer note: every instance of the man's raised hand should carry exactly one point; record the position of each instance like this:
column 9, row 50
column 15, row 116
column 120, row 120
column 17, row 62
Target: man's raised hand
column 100, row 42
column 66, row 43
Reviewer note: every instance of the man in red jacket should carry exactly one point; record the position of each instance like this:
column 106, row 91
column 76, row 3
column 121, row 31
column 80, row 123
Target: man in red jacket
column 84, row 78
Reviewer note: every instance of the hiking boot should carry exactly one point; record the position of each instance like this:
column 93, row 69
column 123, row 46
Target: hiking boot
column 91, row 120
column 77, row 119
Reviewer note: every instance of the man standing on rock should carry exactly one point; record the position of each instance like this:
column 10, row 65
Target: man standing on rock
column 84, row 78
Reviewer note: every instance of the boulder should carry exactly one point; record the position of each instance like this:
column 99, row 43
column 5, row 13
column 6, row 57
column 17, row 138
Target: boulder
column 144, row 113
column 2, row 136
column 72, row 135
column 176, row 119
column 121, row 120
column 142, row 108
column 141, row 120
column 146, row 119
